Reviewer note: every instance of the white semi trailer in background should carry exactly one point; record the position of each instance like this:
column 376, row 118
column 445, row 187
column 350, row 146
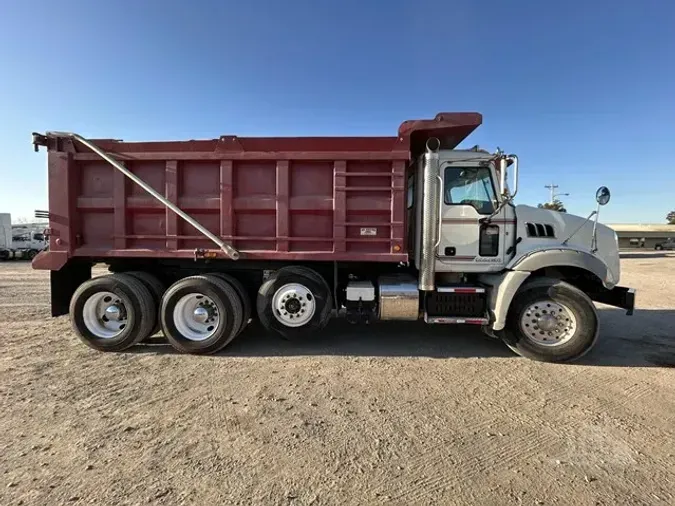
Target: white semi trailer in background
column 21, row 241
column 5, row 235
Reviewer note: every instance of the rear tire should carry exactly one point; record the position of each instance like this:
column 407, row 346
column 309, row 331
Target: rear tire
column 112, row 313
column 658, row 247
column 552, row 321
column 200, row 314
column 294, row 302
column 306, row 271
column 241, row 292
column 156, row 288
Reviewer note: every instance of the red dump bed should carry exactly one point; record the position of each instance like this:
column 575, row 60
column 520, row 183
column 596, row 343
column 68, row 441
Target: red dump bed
column 314, row 198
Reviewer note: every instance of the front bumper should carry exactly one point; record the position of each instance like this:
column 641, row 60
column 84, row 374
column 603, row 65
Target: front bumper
column 619, row 296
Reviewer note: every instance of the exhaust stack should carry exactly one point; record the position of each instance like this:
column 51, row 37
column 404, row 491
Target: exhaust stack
column 430, row 215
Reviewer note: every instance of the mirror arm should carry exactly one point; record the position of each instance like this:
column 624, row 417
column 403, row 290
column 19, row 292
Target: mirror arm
column 594, row 239
column 488, row 219
column 564, row 243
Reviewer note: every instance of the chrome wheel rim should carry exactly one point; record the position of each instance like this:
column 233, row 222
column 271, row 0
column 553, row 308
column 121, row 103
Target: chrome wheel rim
column 196, row 317
column 105, row 315
column 293, row 305
column 548, row 323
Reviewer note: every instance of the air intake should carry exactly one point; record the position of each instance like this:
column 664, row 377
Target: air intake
column 540, row 230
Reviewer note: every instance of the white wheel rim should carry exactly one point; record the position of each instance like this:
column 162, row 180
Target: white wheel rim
column 196, row 317
column 293, row 305
column 548, row 323
column 105, row 315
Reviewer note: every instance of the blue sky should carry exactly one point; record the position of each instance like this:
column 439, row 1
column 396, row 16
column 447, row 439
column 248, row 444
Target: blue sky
column 583, row 92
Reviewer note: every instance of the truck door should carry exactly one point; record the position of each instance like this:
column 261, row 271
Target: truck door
column 466, row 245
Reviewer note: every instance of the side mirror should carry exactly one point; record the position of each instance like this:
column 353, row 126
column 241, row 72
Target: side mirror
column 504, row 163
column 602, row 196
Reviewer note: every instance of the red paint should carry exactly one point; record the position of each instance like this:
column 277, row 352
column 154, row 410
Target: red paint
column 466, row 290
column 272, row 198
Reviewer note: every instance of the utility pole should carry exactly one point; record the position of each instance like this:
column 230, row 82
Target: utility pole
column 552, row 187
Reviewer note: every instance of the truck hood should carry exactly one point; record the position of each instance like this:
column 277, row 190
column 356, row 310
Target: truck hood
column 565, row 225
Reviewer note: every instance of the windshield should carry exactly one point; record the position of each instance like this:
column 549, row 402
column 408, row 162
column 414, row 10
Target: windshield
column 471, row 186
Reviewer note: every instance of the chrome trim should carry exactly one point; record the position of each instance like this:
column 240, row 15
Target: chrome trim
column 399, row 298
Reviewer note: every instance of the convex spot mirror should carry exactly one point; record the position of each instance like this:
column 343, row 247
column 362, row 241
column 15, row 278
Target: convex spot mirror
column 602, row 196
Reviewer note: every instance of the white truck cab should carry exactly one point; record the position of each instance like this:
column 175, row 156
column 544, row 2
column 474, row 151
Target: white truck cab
column 539, row 269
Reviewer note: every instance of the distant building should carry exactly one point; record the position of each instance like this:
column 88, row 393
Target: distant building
column 641, row 235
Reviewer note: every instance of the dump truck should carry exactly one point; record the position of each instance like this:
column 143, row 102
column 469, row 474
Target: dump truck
column 202, row 236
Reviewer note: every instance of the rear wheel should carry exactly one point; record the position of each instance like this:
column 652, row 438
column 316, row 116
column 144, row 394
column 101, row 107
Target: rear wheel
column 112, row 313
column 551, row 320
column 241, row 292
column 200, row 314
column 306, row 271
column 294, row 302
column 156, row 288
column 658, row 247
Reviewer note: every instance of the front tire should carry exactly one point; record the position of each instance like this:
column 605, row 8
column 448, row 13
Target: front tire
column 658, row 247
column 552, row 321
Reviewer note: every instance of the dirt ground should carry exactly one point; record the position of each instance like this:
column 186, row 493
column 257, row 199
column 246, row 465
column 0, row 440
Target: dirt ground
column 387, row 414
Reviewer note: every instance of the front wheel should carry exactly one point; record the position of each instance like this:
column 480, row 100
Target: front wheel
column 658, row 247
column 552, row 321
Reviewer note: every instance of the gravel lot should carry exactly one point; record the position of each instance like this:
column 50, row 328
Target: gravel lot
column 391, row 414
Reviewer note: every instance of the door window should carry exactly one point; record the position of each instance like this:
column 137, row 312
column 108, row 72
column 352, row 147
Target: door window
column 470, row 186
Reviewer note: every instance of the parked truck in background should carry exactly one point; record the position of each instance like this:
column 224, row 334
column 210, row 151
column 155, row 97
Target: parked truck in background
column 5, row 235
column 22, row 241
column 202, row 236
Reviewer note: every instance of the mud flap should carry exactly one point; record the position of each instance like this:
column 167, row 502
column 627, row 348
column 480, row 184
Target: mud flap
column 619, row 296
column 64, row 282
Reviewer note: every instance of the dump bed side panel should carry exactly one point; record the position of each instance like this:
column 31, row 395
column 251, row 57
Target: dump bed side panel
column 344, row 205
column 308, row 198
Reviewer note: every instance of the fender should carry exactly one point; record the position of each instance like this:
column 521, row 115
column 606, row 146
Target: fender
column 504, row 286
column 534, row 260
